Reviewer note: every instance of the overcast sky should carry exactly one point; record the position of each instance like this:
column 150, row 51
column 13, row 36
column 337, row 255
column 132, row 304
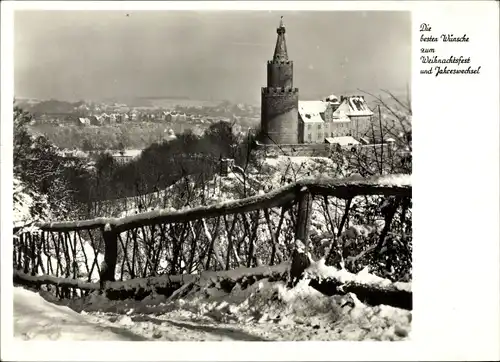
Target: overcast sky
column 205, row 55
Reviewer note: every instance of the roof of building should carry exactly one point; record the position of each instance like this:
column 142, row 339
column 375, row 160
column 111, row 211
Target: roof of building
column 341, row 113
column 313, row 106
column 332, row 98
column 280, row 53
column 310, row 111
column 340, row 117
column 358, row 106
column 343, row 140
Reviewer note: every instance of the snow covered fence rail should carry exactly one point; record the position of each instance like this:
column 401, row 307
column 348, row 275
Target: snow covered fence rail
column 168, row 285
column 392, row 185
column 247, row 232
column 38, row 280
column 369, row 288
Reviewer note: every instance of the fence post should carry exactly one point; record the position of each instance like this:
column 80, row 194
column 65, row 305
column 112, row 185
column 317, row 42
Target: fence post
column 300, row 261
column 110, row 237
column 304, row 216
column 388, row 210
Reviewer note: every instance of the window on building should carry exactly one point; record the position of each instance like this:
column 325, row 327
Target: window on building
column 331, row 134
column 309, row 127
column 320, row 135
column 319, row 127
column 309, row 137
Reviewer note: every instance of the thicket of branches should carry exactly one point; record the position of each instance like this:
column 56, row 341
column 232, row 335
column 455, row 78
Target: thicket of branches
column 392, row 120
column 387, row 251
column 62, row 182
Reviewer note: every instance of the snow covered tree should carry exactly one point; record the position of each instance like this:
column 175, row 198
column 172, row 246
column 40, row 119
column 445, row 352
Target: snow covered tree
column 45, row 174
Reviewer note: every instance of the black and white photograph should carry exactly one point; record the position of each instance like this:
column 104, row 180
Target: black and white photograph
column 195, row 176
column 213, row 175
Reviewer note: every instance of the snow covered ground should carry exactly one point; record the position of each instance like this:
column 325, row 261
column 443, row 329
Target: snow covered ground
column 263, row 311
column 37, row 319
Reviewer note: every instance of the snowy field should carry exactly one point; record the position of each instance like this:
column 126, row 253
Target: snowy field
column 263, row 311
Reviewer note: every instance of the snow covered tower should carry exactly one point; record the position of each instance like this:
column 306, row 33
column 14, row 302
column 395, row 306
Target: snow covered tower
column 280, row 100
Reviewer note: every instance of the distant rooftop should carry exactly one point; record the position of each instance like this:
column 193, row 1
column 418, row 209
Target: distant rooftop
column 358, row 106
column 310, row 111
column 342, row 141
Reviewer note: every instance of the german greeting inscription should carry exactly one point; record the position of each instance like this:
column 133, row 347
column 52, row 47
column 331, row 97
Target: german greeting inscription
column 434, row 62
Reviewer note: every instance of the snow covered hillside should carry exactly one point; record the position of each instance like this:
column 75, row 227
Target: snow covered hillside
column 271, row 174
column 29, row 206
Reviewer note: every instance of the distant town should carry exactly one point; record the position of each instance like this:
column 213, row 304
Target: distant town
column 152, row 121
column 87, row 113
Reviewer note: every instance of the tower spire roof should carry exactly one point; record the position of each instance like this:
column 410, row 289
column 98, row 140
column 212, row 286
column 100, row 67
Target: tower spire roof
column 280, row 53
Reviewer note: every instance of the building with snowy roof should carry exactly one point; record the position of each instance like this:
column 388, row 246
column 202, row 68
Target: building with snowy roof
column 287, row 120
column 342, row 141
column 318, row 120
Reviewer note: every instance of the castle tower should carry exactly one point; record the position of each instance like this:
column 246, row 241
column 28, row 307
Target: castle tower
column 279, row 105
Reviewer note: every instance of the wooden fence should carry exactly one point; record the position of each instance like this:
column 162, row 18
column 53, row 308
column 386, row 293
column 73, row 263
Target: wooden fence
column 85, row 255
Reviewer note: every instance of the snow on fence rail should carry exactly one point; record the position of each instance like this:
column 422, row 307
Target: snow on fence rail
column 240, row 233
